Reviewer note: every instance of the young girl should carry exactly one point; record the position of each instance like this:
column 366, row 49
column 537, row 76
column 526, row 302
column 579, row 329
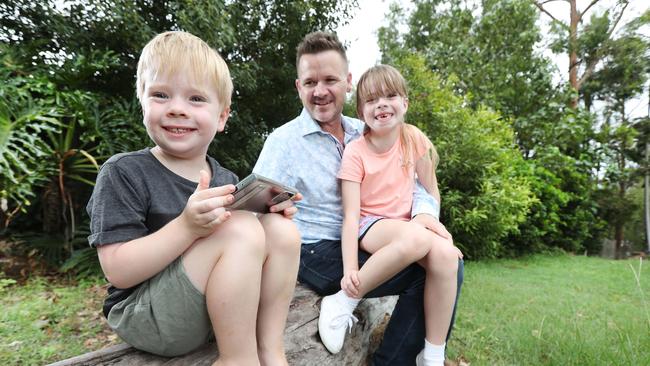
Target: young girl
column 377, row 175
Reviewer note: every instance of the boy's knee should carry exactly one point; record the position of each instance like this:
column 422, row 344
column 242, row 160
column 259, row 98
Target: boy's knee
column 281, row 234
column 244, row 229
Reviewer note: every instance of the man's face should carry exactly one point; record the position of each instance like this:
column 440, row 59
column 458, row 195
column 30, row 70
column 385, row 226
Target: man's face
column 323, row 80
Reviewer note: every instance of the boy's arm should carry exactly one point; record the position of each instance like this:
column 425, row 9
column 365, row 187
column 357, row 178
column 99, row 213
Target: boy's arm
column 130, row 263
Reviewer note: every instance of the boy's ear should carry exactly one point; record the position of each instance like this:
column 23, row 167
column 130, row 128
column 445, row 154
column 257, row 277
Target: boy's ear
column 223, row 117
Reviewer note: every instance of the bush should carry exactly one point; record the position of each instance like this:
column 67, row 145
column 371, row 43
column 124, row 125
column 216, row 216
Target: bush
column 484, row 182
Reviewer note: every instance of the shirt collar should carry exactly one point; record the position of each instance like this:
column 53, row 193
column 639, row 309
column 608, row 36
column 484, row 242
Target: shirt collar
column 308, row 125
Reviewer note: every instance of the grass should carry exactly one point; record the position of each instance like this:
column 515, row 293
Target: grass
column 46, row 320
column 542, row 310
column 554, row 310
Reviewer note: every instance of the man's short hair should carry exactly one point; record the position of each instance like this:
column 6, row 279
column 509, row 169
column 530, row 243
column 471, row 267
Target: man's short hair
column 317, row 42
column 172, row 52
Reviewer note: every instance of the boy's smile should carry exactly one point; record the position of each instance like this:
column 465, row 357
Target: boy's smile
column 181, row 116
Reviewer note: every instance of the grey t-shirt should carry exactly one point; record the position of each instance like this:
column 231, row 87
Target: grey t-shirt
column 135, row 195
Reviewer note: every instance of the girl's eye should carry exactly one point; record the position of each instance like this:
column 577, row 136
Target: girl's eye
column 370, row 100
column 392, row 95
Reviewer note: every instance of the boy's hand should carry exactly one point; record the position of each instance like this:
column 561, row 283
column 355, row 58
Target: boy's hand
column 287, row 207
column 204, row 209
column 350, row 283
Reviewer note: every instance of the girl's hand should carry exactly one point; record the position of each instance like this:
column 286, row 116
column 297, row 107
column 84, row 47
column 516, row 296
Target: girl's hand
column 350, row 283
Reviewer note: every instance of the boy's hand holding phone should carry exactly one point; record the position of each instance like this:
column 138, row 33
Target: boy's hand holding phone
column 205, row 207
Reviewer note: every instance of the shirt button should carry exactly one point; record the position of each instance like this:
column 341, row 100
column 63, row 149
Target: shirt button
column 311, row 251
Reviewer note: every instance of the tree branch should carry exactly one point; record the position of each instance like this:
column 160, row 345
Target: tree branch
column 540, row 6
column 591, row 65
column 593, row 2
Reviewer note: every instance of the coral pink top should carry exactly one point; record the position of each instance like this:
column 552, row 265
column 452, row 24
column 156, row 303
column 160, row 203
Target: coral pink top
column 386, row 186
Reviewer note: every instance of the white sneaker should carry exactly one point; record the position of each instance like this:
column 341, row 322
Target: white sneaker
column 333, row 321
column 419, row 359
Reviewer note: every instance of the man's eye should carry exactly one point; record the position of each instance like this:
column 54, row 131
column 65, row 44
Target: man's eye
column 309, row 83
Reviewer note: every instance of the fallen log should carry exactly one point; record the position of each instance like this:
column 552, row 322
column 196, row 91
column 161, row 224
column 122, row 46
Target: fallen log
column 303, row 345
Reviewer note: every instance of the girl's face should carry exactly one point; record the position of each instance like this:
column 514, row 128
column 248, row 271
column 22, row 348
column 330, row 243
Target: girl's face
column 384, row 112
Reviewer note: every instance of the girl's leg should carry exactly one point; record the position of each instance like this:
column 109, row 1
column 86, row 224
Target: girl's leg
column 279, row 276
column 227, row 267
column 441, row 265
column 394, row 245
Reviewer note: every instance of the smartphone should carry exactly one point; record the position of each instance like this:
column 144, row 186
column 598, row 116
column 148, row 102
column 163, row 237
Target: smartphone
column 257, row 193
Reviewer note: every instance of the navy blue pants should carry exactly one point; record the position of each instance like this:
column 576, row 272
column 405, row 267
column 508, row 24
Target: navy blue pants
column 321, row 268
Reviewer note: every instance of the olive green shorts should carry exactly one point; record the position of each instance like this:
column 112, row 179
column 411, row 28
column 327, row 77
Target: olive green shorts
column 166, row 315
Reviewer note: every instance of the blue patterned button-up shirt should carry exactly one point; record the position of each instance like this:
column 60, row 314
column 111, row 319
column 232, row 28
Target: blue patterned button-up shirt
column 301, row 155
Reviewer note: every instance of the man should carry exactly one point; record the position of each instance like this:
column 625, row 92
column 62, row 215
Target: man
column 306, row 153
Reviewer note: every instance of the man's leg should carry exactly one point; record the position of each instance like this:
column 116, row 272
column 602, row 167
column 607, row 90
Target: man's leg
column 321, row 268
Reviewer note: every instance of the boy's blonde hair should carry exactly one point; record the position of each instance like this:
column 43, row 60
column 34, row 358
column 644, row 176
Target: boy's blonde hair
column 382, row 80
column 175, row 51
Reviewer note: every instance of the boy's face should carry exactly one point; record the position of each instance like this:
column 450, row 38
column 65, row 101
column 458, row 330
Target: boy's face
column 323, row 81
column 181, row 116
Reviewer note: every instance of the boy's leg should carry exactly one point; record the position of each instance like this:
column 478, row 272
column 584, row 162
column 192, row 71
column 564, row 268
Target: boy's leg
column 279, row 276
column 227, row 267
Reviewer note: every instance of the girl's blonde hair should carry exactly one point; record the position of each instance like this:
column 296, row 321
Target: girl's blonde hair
column 382, row 80
column 175, row 51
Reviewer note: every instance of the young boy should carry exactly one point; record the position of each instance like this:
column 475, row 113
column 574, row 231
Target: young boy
column 182, row 268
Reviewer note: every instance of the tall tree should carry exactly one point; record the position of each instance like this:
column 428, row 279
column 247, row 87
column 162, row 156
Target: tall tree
column 622, row 77
column 585, row 46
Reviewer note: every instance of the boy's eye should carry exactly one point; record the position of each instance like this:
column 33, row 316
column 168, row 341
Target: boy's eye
column 392, row 95
column 197, row 98
column 158, row 94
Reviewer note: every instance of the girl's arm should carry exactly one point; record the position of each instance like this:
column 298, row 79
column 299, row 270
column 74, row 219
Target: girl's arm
column 350, row 192
column 427, row 176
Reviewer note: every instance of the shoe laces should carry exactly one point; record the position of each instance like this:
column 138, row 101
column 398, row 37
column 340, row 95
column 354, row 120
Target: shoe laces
column 344, row 320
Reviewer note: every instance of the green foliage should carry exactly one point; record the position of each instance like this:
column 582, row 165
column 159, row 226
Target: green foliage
column 25, row 120
column 491, row 53
column 485, row 191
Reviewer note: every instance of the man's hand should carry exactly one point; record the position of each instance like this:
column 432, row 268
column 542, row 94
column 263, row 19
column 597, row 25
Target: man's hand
column 287, row 207
column 431, row 223
column 204, row 209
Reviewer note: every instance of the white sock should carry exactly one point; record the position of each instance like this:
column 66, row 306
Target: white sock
column 349, row 302
column 433, row 355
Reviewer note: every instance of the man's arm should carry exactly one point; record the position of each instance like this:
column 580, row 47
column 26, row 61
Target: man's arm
column 273, row 163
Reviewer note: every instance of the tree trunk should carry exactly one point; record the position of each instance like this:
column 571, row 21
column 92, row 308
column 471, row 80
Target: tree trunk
column 573, row 52
column 52, row 208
